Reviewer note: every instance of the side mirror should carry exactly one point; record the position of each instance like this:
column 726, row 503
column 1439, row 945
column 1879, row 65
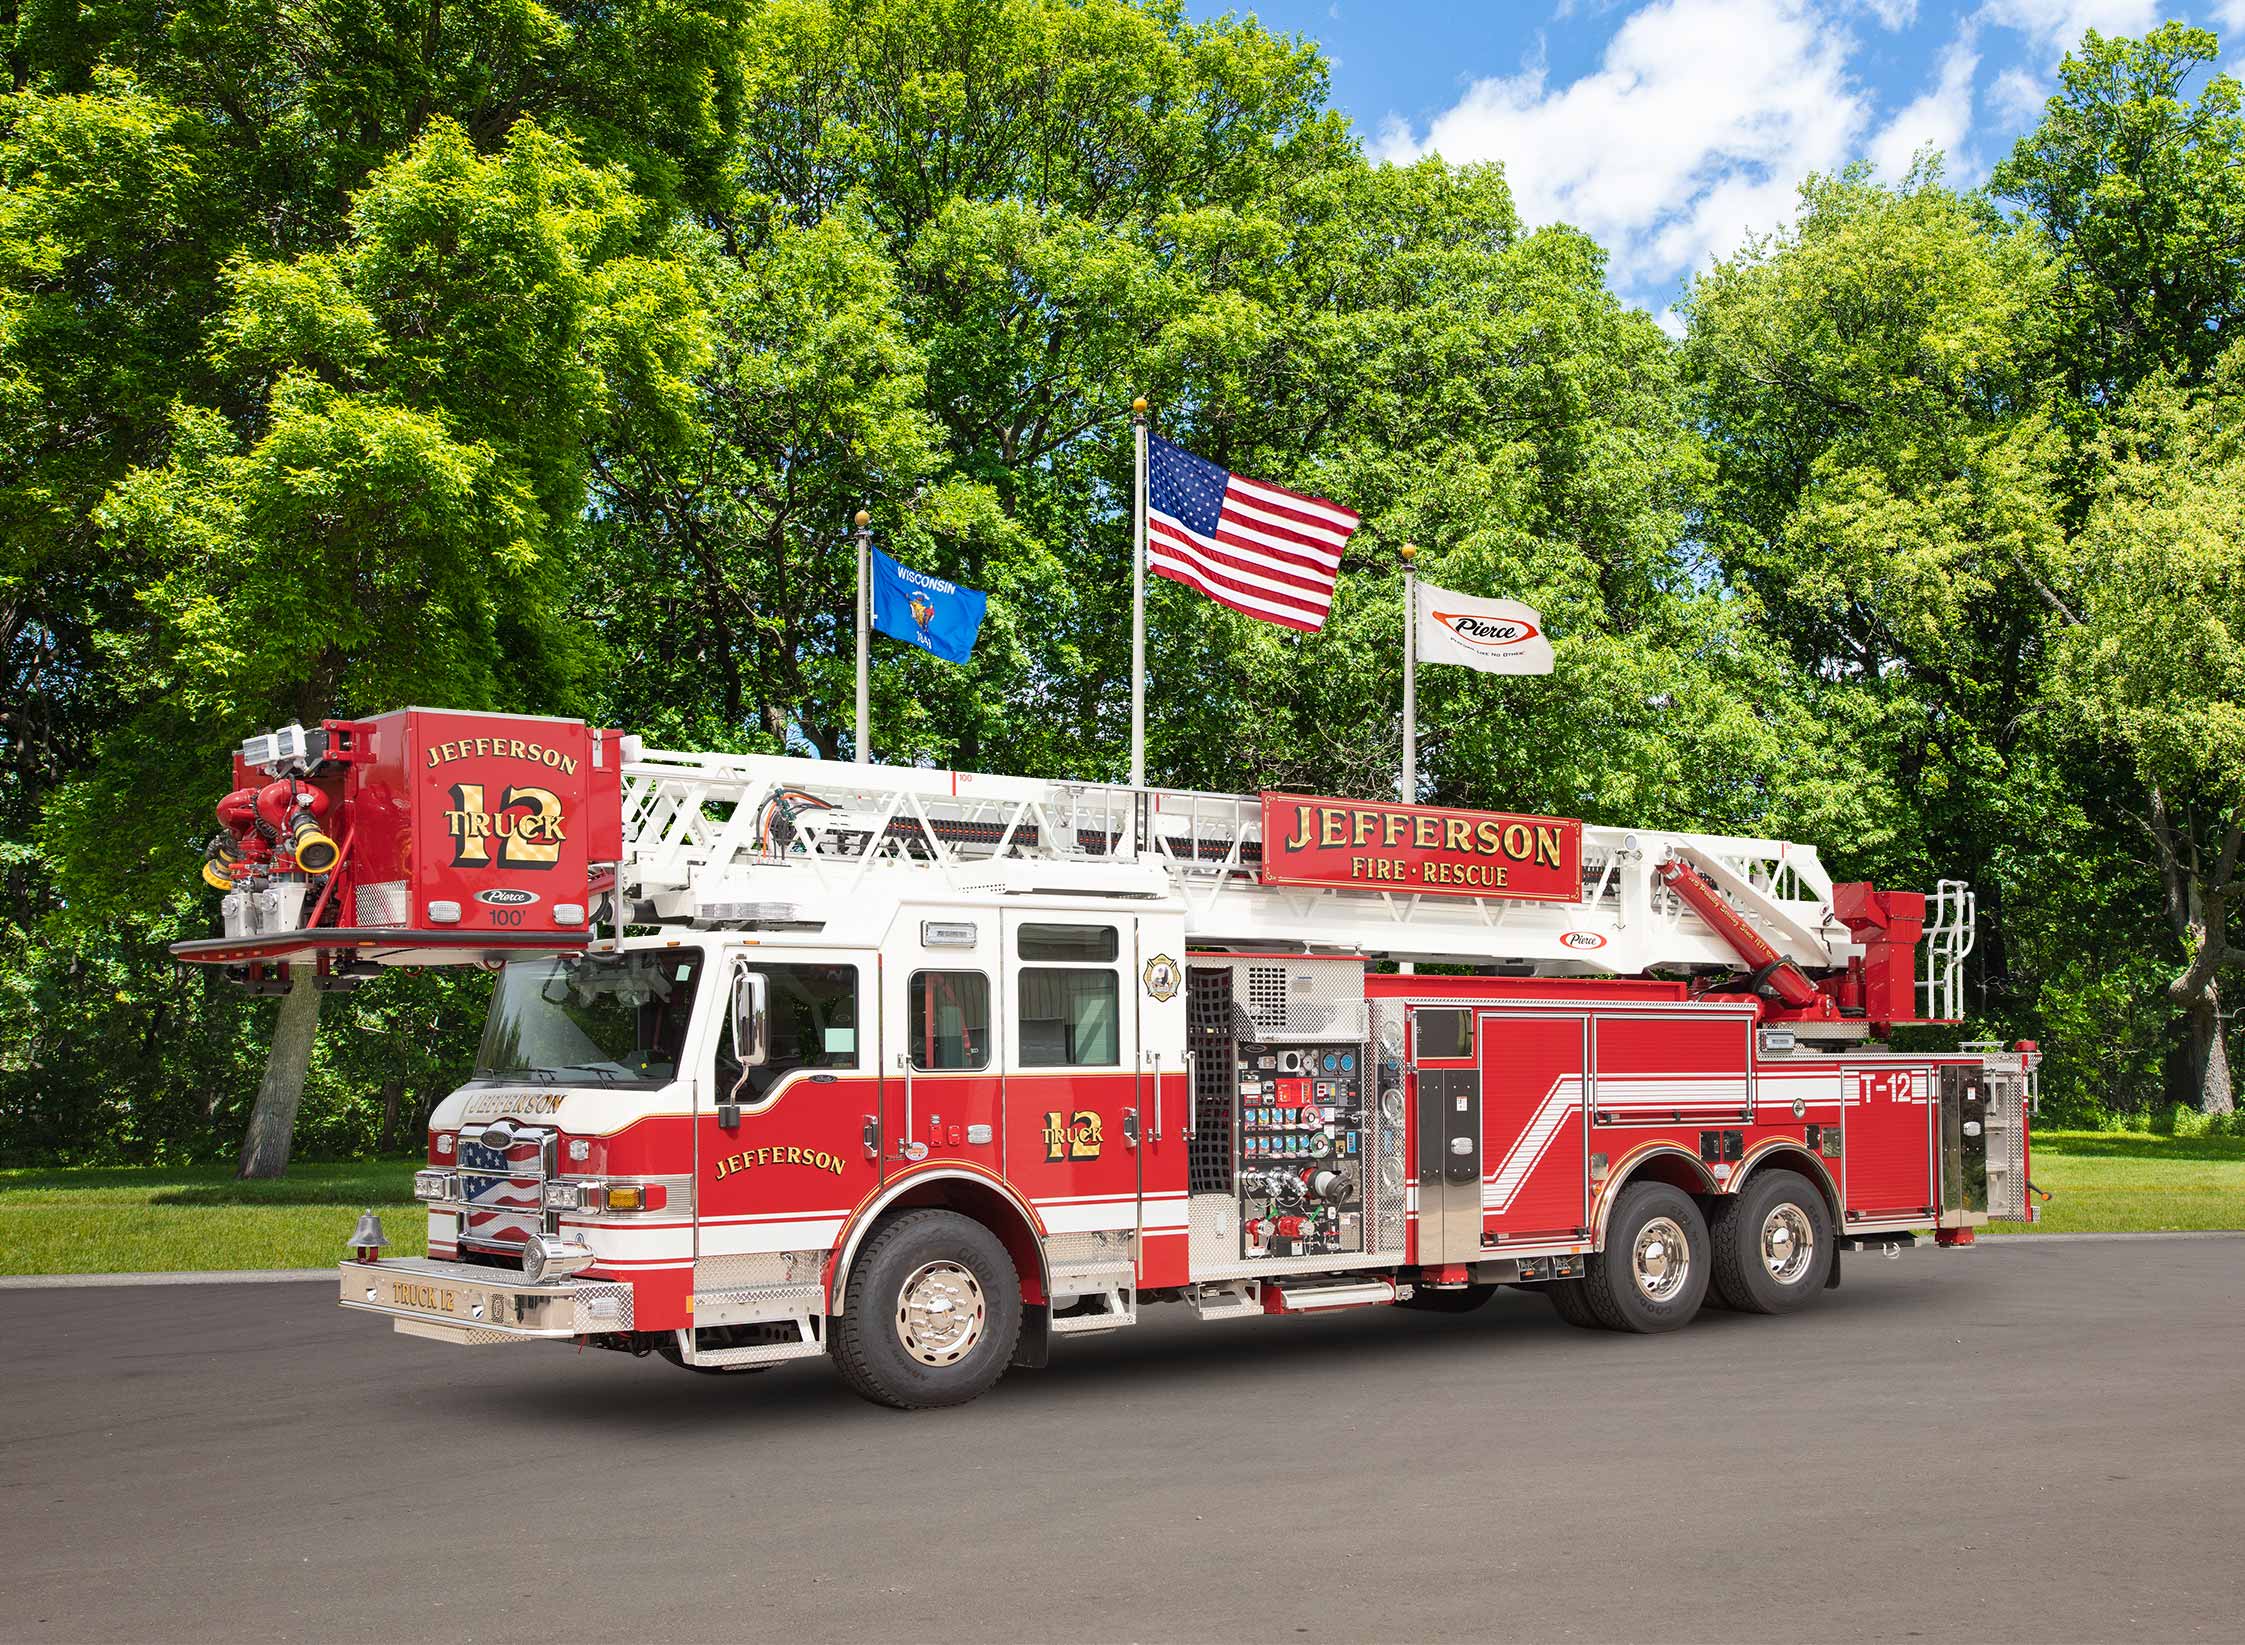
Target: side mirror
column 750, row 1015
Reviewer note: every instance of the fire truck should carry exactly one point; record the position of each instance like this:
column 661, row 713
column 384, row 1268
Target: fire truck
column 924, row 1069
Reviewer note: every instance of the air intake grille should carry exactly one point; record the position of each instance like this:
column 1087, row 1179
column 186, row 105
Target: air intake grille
column 1211, row 1021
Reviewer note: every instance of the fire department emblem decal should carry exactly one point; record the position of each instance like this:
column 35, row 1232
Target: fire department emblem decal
column 1163, row 979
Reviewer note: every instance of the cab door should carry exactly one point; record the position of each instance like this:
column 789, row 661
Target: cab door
column 1075, row 1100
column 943, row 1090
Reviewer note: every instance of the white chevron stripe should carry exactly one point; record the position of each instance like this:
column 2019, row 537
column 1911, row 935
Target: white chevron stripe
column 1561, row 1101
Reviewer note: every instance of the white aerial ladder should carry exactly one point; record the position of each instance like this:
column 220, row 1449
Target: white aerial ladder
column 725, row 839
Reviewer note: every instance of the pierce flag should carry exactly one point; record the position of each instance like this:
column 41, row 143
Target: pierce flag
column 1495, row 636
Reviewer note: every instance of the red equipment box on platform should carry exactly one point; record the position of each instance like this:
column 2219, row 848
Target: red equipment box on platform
column 419, row 837
column 479, row 822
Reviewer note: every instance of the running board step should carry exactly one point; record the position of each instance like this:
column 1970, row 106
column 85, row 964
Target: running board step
column 1298, row 1297
column 1227, row 1299
column 1117, row 1307
column 762, row 1353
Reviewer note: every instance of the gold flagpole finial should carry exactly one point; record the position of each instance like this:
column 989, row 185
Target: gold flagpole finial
column 1138, row 406
column 863, row 519
column 1410, row 552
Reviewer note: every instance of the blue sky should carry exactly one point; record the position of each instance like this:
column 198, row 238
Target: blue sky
column 1672, row 128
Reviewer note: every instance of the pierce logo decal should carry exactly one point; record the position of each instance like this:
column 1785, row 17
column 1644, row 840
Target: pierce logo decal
column 1488, row 633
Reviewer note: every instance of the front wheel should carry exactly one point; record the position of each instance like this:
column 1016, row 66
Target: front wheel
column 1652, row 1275
column 932, row 1313
column 1773, row 1245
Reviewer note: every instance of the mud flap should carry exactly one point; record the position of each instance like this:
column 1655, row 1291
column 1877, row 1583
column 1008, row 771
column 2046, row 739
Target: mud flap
column 1032, row 1350
column 1832, row 1280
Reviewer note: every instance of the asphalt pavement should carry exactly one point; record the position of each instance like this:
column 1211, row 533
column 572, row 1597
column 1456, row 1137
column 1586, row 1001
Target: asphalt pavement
column 2039, row 1442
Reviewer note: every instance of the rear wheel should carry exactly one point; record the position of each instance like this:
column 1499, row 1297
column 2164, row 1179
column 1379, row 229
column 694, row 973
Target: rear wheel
column 1572, row 1302
column 932, row 1313
column 1773, row 1245
column 1652, row 1275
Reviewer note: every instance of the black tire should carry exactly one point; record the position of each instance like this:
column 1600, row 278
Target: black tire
column 1460, row 1300
column 868, row 1338
column 1572, row 1302
column 1610, row 1285
column 1744, row 1276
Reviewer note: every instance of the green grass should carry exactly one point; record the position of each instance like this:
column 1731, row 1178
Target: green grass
column 2133, row 1181
column 148, row 1219
column 151, row 1219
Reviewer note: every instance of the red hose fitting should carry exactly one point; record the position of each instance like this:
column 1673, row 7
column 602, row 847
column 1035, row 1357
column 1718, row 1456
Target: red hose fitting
column 292, row 810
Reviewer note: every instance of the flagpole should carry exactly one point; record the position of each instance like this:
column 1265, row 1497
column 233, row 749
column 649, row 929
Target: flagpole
column 1409, row 551
column 1138, row 599
column 864, row 638
column 1410, row 678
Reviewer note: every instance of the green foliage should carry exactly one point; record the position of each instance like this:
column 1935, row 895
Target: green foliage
column 2141, row 195
column 539, row 356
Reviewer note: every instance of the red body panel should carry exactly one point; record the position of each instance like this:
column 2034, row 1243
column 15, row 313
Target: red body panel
column 1533, row 1124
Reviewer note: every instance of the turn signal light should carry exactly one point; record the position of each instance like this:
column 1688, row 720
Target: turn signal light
column 615, row 1196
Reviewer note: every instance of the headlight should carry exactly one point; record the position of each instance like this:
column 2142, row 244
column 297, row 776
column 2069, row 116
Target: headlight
column 428, row 1185
column 562, row 1195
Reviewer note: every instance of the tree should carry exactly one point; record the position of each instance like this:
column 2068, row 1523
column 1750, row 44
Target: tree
column 2141, row 196
column 386, row 523
column 1870, row 381
column 2152, row 659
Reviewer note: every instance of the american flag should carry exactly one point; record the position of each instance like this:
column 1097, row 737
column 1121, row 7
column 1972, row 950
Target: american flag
column 1257, row 548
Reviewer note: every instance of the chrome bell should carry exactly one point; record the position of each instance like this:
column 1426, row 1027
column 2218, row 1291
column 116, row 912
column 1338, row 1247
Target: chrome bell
column 368, row 1238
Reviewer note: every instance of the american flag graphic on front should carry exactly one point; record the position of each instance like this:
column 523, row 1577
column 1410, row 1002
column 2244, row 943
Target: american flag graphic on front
column 1258, row 548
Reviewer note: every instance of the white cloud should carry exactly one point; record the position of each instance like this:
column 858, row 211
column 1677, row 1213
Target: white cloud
column 1694, row 130
column 2017, row 98
column 2058, row 25
column 1940, row 117
column 2231, row 14
column 1893, row 14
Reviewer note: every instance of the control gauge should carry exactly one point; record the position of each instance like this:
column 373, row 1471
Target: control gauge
column 1321, row 1146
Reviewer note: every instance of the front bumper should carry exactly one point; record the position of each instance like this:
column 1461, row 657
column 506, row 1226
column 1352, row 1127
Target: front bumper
column 471, row 1305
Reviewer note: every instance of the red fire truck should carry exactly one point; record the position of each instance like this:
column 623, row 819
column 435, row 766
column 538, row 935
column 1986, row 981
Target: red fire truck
column 923, row 1069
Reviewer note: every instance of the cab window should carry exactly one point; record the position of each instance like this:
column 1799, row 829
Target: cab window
column 814, row 1024
column 949, row 1020
column 1069, row 1019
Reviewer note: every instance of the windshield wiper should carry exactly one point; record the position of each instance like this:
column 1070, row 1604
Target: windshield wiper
column 610, row 1075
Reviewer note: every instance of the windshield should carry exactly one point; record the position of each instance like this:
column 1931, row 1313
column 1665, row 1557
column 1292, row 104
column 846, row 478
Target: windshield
column 609, row 1019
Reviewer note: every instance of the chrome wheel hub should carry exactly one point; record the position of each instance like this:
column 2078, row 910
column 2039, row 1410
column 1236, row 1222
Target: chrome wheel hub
column 1788, row 1244
column 1660, row 1259
column 940, row 1313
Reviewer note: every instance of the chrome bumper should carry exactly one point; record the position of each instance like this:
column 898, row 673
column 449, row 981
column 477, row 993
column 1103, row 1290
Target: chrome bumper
column 471, row 1305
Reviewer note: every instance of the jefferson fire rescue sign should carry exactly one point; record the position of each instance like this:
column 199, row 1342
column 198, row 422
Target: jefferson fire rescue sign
column 1420, row 849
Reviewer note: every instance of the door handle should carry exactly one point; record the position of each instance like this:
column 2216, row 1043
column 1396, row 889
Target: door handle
column 872, row 1136
column 1130, row 1126
column 904, row 1061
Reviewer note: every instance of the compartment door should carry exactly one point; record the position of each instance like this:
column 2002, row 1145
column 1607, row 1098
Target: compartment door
column 1532, row 1104
column 1446, row 1115
column 1887, row 1141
